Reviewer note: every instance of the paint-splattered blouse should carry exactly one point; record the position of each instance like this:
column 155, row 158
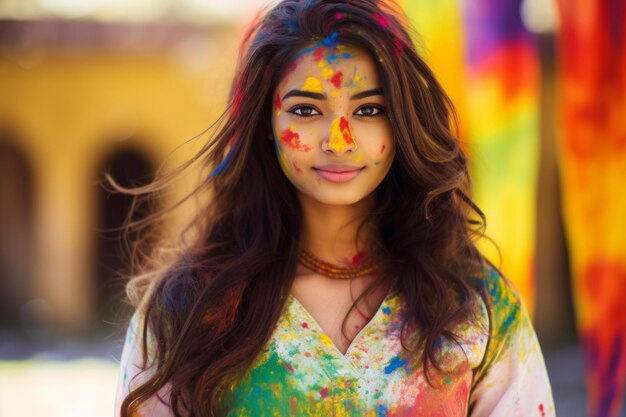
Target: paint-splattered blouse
column 497, row 370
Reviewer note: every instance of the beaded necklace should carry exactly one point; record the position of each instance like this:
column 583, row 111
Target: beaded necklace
column 329, row 270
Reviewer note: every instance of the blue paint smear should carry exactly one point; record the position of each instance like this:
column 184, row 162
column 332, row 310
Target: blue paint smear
column 291, row 25
column 223, row 165
column 331, row 41
column 396, row 362
column 382, row 411
column 386, row 310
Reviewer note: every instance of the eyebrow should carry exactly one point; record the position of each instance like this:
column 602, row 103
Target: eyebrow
column 320, row 96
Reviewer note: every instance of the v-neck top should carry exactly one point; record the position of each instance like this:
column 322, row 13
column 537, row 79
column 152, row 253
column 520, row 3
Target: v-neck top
column 495, row 369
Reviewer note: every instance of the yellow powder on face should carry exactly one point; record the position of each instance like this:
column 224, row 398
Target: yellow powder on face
column 312, row 85
column 328, row 72
column 340, row 135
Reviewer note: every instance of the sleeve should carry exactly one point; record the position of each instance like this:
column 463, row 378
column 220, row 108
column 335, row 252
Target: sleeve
column 132, row 374
column 512, row 379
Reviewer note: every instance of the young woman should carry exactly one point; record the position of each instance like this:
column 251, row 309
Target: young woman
column 333, row 271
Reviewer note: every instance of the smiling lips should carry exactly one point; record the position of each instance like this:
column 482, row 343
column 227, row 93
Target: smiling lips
column 338, row 173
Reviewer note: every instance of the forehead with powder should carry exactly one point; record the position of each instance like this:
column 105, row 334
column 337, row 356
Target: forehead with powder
column 338, row 65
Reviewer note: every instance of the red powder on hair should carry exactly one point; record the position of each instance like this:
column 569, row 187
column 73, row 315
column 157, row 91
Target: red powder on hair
column 339, row 16
column 382, row 20
column 398, row 48
column 291, row 139
column 292, row 67
column 336, row 79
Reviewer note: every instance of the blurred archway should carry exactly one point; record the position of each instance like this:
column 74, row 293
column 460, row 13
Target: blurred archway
column 16, row 226
column 130, row 168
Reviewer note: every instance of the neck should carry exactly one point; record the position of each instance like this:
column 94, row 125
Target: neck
column 330, row 231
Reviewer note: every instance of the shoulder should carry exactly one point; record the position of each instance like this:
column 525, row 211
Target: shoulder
column 504, row 305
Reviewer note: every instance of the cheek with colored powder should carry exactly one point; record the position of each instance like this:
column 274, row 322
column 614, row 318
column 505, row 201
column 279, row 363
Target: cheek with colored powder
column 291, row 139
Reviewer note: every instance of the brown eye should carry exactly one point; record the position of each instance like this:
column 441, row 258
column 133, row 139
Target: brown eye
column 370, row 111
column 305, row 111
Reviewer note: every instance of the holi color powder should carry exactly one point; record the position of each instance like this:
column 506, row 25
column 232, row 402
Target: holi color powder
column 398, row 47
column 382, row 20
column 278, row 103
column 336, row 79
column 332, row 40
column 222, row 166
column 382, row 148
column 340, row 135
column 318, row 54
column 357, row 259
column 291, row 139
column 313, row 85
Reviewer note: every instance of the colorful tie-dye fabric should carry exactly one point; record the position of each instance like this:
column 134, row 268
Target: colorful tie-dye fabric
column 497, row 369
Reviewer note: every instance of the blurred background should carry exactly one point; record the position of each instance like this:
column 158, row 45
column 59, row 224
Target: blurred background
column 117, row 86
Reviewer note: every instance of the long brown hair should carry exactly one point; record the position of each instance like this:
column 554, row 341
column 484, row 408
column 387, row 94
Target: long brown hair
column 211, row 311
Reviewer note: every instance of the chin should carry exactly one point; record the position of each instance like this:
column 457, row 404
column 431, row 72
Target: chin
column 338, row 198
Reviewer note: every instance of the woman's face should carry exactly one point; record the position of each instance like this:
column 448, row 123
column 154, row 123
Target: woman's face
column 331, row 130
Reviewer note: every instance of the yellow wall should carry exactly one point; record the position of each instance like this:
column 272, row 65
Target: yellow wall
column 70, row 107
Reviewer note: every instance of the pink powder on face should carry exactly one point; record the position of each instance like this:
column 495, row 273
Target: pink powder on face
column 296, row 168
column 382, row 20
column 278, row 104
column 336, row 79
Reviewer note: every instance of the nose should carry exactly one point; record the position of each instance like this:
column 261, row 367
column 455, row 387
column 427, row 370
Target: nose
column 340, row 138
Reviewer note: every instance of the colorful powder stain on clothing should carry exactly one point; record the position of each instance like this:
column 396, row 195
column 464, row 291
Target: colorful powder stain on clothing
column 312, row 85
column 299, row 371
column 376, row 377
column 340, row 135
column 291, row 139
